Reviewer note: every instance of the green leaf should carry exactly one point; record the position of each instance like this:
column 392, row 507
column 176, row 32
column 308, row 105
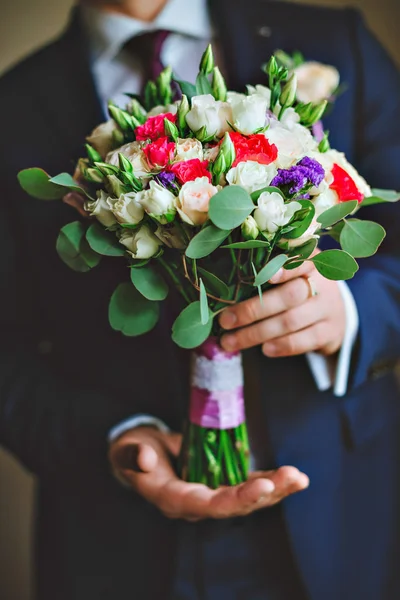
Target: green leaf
column 271, row 189
column 336, row 230
column 188, row 331
column 336, row 213
column 270, row 269
column 301, row 220
column 103, row 242
column 249, row 245
column 302, row 253
column 204, row 310
column 361, row 238
column 149, row 283
column 36, row 183
column 130, row 313
column 215, row 285
column 335, row 264
column 206, row 241
column 67, row 181
column 74, row 250
column 381, row 196
column 203, row 86
column 230, row 207
column 188, row 89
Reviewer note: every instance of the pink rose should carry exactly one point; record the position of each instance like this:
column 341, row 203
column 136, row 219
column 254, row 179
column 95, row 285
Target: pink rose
column 189, row 170
column 160, row 152
column 154, row 127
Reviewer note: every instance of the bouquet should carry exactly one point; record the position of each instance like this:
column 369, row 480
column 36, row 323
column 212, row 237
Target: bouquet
column 212, row 194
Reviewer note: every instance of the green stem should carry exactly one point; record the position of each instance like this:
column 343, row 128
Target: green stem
column 175, row 279
column 230, row 470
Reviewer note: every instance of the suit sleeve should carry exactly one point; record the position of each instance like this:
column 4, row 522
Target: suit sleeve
column 376, row 286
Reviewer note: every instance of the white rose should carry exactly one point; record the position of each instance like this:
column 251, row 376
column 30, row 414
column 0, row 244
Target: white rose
column 160, row 110
column 272, row 212
column 251, row 175
column 134, row 153
column 101, row 137
column 249, row 113
column 260, row 90
column 293, row 144
column 140, row 243
column 325, row 200
column 187, row 149
column 290, row 117
column 209, row 113
column 194, row 199
column 316, row 82
column 100, row 209
column 127, row 209
column 158, row 202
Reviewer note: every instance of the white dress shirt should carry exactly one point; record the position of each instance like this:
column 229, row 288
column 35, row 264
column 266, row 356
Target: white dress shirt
column 115, row 73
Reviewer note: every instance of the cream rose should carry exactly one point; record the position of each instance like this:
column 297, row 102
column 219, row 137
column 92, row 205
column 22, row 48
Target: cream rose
column 158, row 202
column 293, row 144
column 316, row 82
column 249, row 113
column 161, row 110
column 209, row 113
column 272, row 212
column 100, row 209
column 260, row 90
column 127, row 209
column 194, row 199
column 140, row 243
column 102, row 138
column 134, row 153
column 251, row 175
column 187, row 149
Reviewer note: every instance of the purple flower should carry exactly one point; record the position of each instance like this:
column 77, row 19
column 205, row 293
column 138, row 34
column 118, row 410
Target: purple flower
column 167, row 180
column 308, row 172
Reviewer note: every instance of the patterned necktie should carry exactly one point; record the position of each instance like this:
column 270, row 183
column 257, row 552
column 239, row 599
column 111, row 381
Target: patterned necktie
column 146, row 48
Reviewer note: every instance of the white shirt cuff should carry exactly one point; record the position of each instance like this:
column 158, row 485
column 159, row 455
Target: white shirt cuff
column 331, row 371
column 136, row 421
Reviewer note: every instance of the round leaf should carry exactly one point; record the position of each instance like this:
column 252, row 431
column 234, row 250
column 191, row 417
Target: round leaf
column 230, row 207
column 36, row 183
column 335, row 264
column 130, row 313
column 188, row 330
column 214, row 283
column 206, row 241
column 361, row 238
column 149, row 283
column 204, row 311
column 381, row 196
column 74, row 250
column 103, row 241
column 66, row 181
column 336, row 213
column 270, row 269
column 302, row 253
column 301, row 221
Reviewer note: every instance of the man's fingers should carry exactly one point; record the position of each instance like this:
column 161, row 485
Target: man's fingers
column 284, row 275
column 140, row 458
column 308, row 340
column 173, row 442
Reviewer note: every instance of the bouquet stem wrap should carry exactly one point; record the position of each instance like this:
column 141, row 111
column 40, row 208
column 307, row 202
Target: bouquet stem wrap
column 215, row 449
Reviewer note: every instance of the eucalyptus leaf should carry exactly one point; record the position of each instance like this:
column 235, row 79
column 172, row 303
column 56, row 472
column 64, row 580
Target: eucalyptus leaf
column 188, row 331
column 249, row 245
column 204, row 310
column 302, row 220
column 214, row 284
column 36, row 183
column 361, row 238
column 206, row 241
column 74, row 250
column 336, row 230
column 335, row 264
column 381, row 196
column 270, row 189
column 336, row 213
column 230, row 207
column 270, row 269
column 302, row 253
column 130, row 313
column 104, row 242
column 65, row 180
column 203, row 86
column 150, row 283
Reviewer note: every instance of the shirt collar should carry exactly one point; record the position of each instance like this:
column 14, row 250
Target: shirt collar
column 108, row 31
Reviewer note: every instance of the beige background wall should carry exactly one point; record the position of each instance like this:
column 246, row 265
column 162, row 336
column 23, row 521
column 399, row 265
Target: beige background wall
column 25, row 24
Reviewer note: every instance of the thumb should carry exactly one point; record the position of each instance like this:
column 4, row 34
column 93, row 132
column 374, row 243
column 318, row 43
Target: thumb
column 138, row 457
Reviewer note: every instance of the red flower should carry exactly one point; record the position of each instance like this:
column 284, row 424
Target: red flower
column 154, row 127
column 253, row 147
column 189, row 170
column 344, row 185
column 160, row 152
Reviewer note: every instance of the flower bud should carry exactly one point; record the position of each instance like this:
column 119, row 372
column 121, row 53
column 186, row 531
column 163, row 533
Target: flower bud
column 140, row 243
column 317, row 112
column 171, row 130
column 93, row 155
column 219, row 167
column 219, row 88
column 288, row 94
column 207, row 61
column 324, row 144
column 183, row 110
column 136, row 110
column 121, row 117
column 116, row 186
column 118, row 137
column 151, row 95
column 124, row 163
column 271, row 68
column 164, row 85
column 227, row 149
column 250, row 230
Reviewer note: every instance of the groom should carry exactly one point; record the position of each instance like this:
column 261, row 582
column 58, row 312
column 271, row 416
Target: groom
column 68, row 382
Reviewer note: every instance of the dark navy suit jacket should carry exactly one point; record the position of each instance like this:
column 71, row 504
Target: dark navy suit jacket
column 66, row 378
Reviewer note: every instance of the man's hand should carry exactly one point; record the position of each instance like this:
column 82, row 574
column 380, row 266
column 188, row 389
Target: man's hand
column 290, row 320
column 142, row 457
